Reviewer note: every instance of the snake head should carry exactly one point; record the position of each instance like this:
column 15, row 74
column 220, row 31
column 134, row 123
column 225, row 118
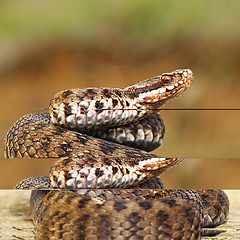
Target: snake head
column 156, row 91
column 157, row 165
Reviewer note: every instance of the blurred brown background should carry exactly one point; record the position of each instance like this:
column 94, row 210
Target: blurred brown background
column 51, row 46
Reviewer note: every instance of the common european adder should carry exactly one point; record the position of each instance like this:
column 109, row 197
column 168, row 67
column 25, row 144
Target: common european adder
column 100, row 138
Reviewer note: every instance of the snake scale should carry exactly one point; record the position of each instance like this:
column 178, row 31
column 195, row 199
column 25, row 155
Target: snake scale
column 100, row 138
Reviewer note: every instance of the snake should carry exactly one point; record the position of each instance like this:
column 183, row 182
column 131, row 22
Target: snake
column 104, row 183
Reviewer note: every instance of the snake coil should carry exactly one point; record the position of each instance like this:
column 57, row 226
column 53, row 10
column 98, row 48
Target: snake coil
column 100, row 138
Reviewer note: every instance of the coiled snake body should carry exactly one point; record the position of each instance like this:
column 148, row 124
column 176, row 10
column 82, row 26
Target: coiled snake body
column 100, row 137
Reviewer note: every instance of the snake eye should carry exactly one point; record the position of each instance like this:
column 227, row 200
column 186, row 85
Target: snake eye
column 166, row 79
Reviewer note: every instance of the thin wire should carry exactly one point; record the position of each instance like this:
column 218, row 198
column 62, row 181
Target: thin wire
column 40, row 109
column 163, row 109
column 201, row 109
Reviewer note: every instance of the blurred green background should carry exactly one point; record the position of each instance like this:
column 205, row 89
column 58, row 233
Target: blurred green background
column 50, row 46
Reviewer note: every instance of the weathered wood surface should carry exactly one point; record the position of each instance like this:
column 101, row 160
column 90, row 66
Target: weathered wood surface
column 15, row 217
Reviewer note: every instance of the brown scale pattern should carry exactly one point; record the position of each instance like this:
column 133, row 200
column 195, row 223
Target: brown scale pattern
column 110, row 214
column 171, row 215
column 142, row 217
column 33, row 137
column 117, row 214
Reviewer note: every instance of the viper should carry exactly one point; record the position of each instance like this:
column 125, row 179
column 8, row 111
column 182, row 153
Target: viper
column 101, row 138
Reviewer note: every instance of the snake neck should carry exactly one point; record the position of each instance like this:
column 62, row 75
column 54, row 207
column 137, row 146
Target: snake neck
column 89, row 109
column 153, row 93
